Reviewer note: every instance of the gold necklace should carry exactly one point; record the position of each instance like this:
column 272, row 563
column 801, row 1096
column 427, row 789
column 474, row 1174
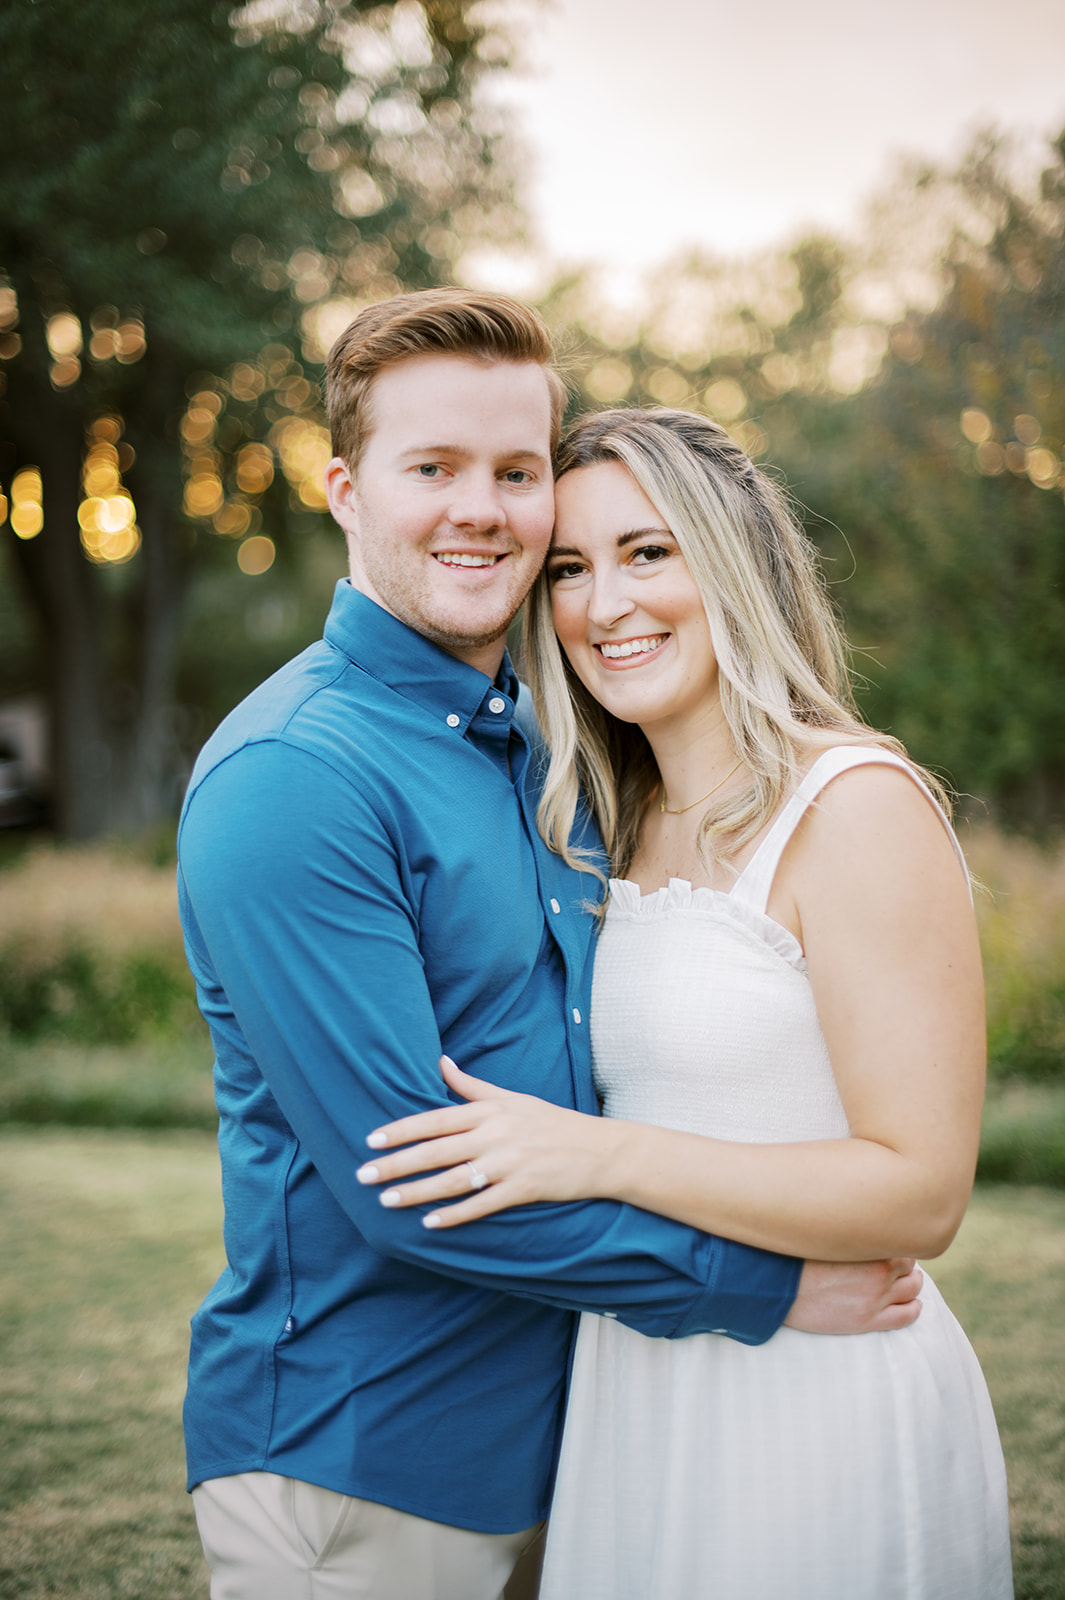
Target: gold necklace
column 679, row 812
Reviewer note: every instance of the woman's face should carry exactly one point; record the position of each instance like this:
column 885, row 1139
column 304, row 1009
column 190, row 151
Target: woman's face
column 625, row 607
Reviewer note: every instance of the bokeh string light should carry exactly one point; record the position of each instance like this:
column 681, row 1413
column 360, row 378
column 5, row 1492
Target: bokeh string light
column 107, row 516
column 27, row 503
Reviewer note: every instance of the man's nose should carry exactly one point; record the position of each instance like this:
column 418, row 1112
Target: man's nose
column 477, row 503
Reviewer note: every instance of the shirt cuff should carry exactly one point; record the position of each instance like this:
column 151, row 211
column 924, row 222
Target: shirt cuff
column 749, row 1294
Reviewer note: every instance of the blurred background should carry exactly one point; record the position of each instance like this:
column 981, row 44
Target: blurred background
column 839, row 231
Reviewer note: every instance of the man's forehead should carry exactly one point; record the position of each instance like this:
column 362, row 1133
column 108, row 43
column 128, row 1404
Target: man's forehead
column 455, row 388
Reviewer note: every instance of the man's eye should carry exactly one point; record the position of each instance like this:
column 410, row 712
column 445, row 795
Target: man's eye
column 517, row 475
column 428, row 469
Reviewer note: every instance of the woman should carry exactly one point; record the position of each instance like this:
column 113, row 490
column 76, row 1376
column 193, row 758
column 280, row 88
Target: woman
column 788, row 1040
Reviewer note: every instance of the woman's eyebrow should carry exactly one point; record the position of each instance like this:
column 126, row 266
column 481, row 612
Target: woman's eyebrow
column 623, row 539
column 642, row 533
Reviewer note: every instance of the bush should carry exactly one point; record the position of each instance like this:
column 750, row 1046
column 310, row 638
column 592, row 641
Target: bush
column 1021, row 911
column 90, row 948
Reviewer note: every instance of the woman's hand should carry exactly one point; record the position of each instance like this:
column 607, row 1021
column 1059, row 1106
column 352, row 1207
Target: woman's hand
column 500, row 1149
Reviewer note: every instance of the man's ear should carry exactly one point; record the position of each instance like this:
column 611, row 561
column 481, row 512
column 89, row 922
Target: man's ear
column 340, row 492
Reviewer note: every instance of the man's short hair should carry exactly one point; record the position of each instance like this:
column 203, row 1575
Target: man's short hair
column 453, row 322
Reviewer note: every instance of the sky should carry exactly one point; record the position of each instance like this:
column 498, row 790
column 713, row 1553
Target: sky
column 654, row 124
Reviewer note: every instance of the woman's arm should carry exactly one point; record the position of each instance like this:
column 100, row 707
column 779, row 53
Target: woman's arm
column 871, row 885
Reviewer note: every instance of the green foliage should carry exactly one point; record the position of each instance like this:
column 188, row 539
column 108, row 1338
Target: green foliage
column 76, row 995
column 161, row 1081
column 193, row 200
column 923, row 444
column 1023, row 1135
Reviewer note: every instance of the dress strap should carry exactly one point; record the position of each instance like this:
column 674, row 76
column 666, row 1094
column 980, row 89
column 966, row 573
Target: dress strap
column 754, row 883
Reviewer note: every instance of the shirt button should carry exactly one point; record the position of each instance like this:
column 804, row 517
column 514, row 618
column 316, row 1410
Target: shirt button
column 453, row 721
column 576, row 1016
column 555, row 907
column 497, row 704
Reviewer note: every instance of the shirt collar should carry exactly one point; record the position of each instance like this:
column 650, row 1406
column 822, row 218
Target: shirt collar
column 397, row 655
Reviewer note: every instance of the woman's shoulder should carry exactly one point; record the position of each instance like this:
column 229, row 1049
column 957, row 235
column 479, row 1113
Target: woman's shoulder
column 874, row 814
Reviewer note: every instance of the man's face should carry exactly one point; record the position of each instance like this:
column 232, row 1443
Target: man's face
column 449, row 513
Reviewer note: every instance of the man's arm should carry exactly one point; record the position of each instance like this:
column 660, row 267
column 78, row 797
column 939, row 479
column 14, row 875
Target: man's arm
column 298, row 921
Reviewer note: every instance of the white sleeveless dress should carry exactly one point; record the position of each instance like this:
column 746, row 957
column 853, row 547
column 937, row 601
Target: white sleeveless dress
column 808, row 1468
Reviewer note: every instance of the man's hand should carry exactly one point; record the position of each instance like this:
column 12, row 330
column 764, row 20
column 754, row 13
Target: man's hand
column 857, row 1296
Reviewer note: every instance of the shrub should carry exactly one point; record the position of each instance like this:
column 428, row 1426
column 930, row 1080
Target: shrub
column 90, row 947
column 1022, row 932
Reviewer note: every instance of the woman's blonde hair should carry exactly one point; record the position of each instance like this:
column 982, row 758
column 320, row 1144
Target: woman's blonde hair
column 783, row 676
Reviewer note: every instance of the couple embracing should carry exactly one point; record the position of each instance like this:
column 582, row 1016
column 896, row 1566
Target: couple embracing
column 688, row 887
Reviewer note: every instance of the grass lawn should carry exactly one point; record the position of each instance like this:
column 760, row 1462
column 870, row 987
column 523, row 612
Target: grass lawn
column 107, row 1241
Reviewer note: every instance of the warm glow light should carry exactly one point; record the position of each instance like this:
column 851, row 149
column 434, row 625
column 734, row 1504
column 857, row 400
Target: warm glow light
column 991, row 458
column 256, row 555
column 65, row 372
column 305, row 451
column 609, row 380
column 725, row 399
column 8, row 307
column 197, row 425
column 232, row 520
column 27, row 503
column 63, row 333
column 103, row 344
column 203, row 495
column 780, row 372
column 1027, row 429
column 255, row 468
column 976, row 425
column 667, row 385
column 107, row 516
column 245, row 382
column 130, row 342
column 109, row 429
column 1043, row 468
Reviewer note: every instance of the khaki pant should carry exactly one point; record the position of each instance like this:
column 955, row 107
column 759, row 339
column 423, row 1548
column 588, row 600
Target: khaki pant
column 272, row 1538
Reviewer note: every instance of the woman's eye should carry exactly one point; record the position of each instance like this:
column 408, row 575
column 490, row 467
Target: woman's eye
column 565, row 569
column 648, row 553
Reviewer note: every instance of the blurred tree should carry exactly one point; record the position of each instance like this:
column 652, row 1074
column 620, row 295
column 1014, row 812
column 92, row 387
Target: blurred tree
column 911, row 388
column 193, row 200
column 946, row 476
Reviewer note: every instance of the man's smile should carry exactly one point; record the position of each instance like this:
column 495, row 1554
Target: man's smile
column 452, row 558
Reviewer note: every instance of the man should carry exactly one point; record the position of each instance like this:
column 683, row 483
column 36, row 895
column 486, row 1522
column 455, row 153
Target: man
column 373, row 1407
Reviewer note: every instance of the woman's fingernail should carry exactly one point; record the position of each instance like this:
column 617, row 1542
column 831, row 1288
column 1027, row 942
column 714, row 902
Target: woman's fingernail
column 391, row 1197
column 432, row 1220
column 377, row 1141
column 367, row 1175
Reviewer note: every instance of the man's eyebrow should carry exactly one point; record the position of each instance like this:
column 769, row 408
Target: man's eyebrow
column 523, row 453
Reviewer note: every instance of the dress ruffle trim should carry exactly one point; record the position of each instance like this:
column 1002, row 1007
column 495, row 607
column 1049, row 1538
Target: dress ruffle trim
column 678, row 895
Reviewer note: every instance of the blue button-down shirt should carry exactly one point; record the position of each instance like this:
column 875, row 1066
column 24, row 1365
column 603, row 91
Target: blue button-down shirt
column 362, row 887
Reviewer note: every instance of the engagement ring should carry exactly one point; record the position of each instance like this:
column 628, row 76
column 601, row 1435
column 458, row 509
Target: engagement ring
column 478, row 1179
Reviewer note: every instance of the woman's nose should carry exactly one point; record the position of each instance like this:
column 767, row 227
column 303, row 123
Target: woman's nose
column 610, row 601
